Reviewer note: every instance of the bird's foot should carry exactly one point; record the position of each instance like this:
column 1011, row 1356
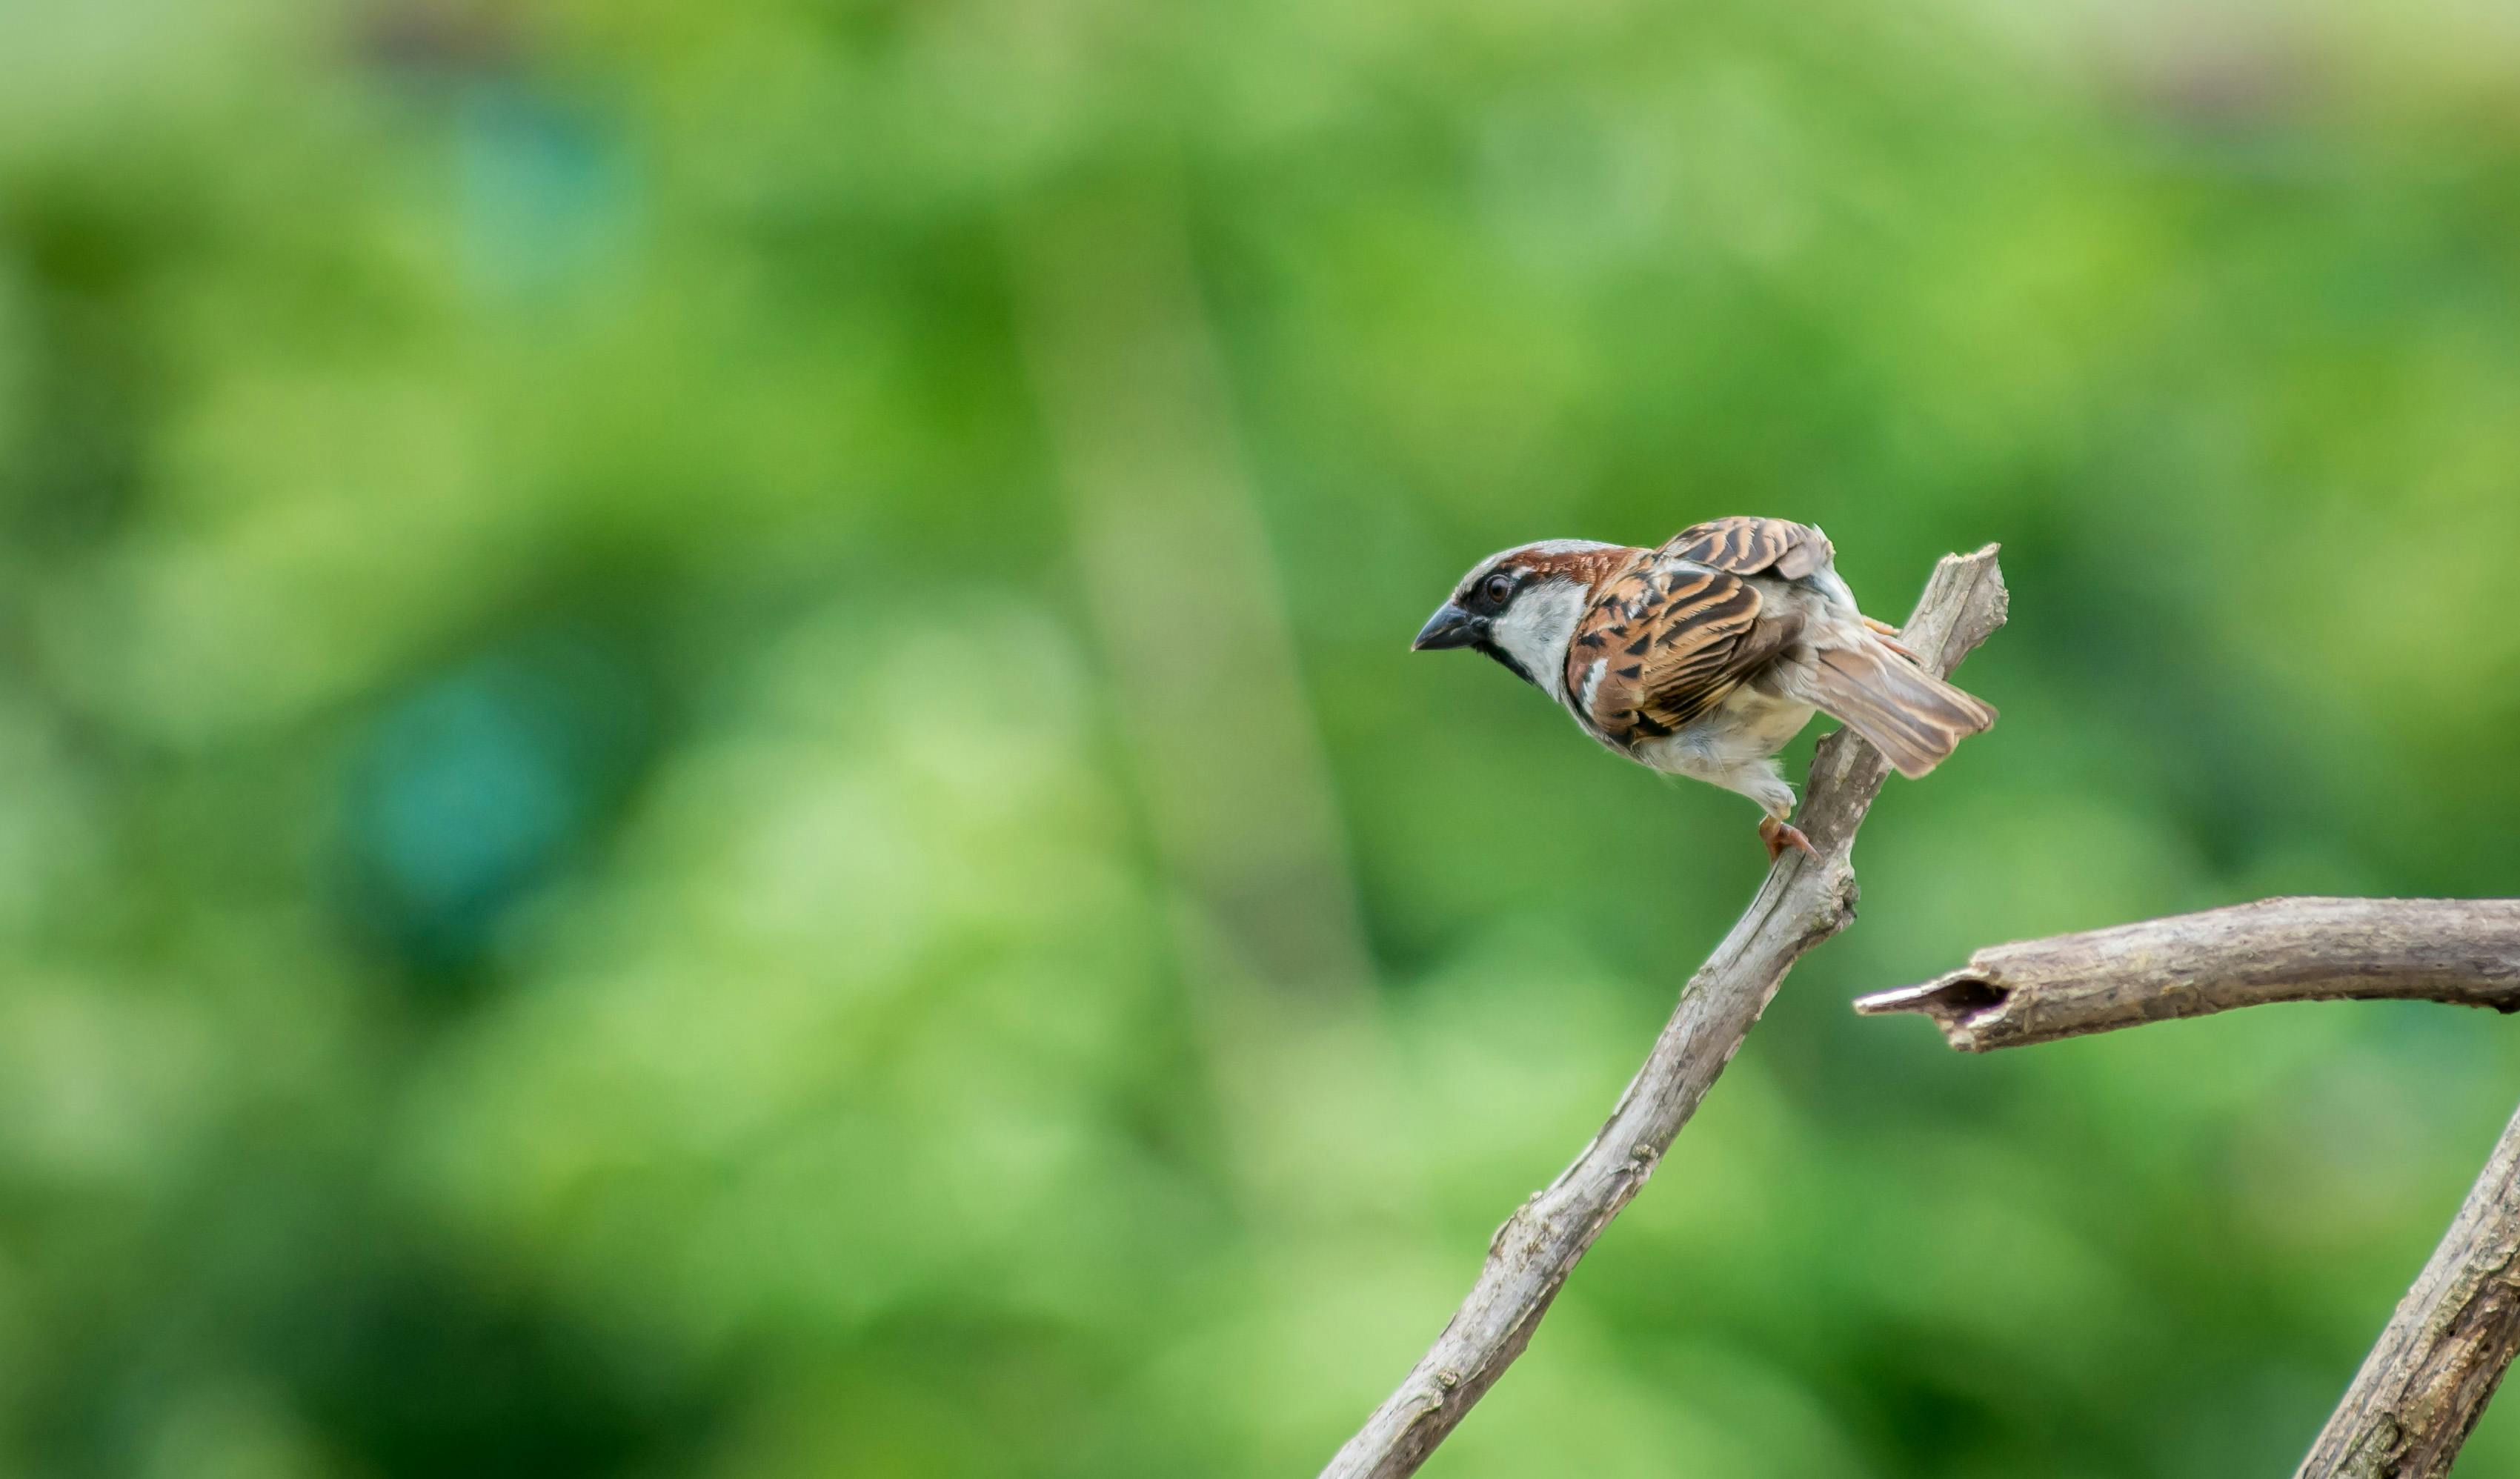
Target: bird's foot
column 1779, row 835
column 1889, row 635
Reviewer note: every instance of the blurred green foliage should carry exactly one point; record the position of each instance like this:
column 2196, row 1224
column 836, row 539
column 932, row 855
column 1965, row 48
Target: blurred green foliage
column 707, row 766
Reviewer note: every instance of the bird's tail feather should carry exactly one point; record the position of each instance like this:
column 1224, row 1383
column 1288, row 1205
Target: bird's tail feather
column 1912, row 717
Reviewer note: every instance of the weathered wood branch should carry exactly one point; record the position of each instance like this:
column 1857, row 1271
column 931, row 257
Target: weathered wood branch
column 1803, row 901
column 2427, row 1382
column 2461, row 951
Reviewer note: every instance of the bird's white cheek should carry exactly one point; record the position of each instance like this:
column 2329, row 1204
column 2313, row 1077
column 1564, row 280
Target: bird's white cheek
column 1537, row 629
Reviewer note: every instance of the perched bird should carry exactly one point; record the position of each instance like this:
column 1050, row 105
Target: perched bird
column 1706, row 657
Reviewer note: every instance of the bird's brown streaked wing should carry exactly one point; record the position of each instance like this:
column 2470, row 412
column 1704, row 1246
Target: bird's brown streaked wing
column 1747, row 546
column 1671, row 639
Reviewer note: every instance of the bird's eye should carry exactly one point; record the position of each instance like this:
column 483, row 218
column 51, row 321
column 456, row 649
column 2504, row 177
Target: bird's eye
column 1497, row 589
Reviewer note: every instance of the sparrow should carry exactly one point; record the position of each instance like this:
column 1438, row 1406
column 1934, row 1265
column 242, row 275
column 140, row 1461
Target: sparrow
column 1705, row 657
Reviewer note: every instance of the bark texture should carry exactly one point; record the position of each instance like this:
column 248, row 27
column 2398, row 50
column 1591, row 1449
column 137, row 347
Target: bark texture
column 2427, row 1382
column 1803, row 901
column 2462, row 951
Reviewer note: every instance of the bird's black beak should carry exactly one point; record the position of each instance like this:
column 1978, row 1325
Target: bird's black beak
column 1448, row 627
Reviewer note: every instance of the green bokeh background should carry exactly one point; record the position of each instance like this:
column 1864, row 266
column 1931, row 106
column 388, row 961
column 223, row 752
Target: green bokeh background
column 706, row 767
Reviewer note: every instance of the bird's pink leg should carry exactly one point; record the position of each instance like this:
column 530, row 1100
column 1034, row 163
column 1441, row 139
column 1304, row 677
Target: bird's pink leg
column 1889, row 635
column 1779, row 835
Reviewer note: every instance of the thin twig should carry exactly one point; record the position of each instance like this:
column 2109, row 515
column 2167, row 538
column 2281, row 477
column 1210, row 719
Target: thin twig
column 2461, row 951
column 2427, row 1382
column 1803, row 901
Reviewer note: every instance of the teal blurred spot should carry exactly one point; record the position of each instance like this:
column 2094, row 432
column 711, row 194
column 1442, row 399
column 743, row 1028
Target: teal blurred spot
column 476, row 787
column 547, row 188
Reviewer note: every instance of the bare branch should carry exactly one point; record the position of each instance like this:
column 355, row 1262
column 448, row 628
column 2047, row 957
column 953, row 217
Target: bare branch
column 2461, row 951
column 1803, row 901
column 2427, row 1382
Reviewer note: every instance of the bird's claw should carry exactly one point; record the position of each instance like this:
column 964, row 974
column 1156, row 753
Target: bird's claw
column 1889, row 635
column 1779, row 835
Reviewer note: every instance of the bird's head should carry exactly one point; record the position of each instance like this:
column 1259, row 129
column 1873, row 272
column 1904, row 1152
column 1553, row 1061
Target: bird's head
column 1520, row 607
